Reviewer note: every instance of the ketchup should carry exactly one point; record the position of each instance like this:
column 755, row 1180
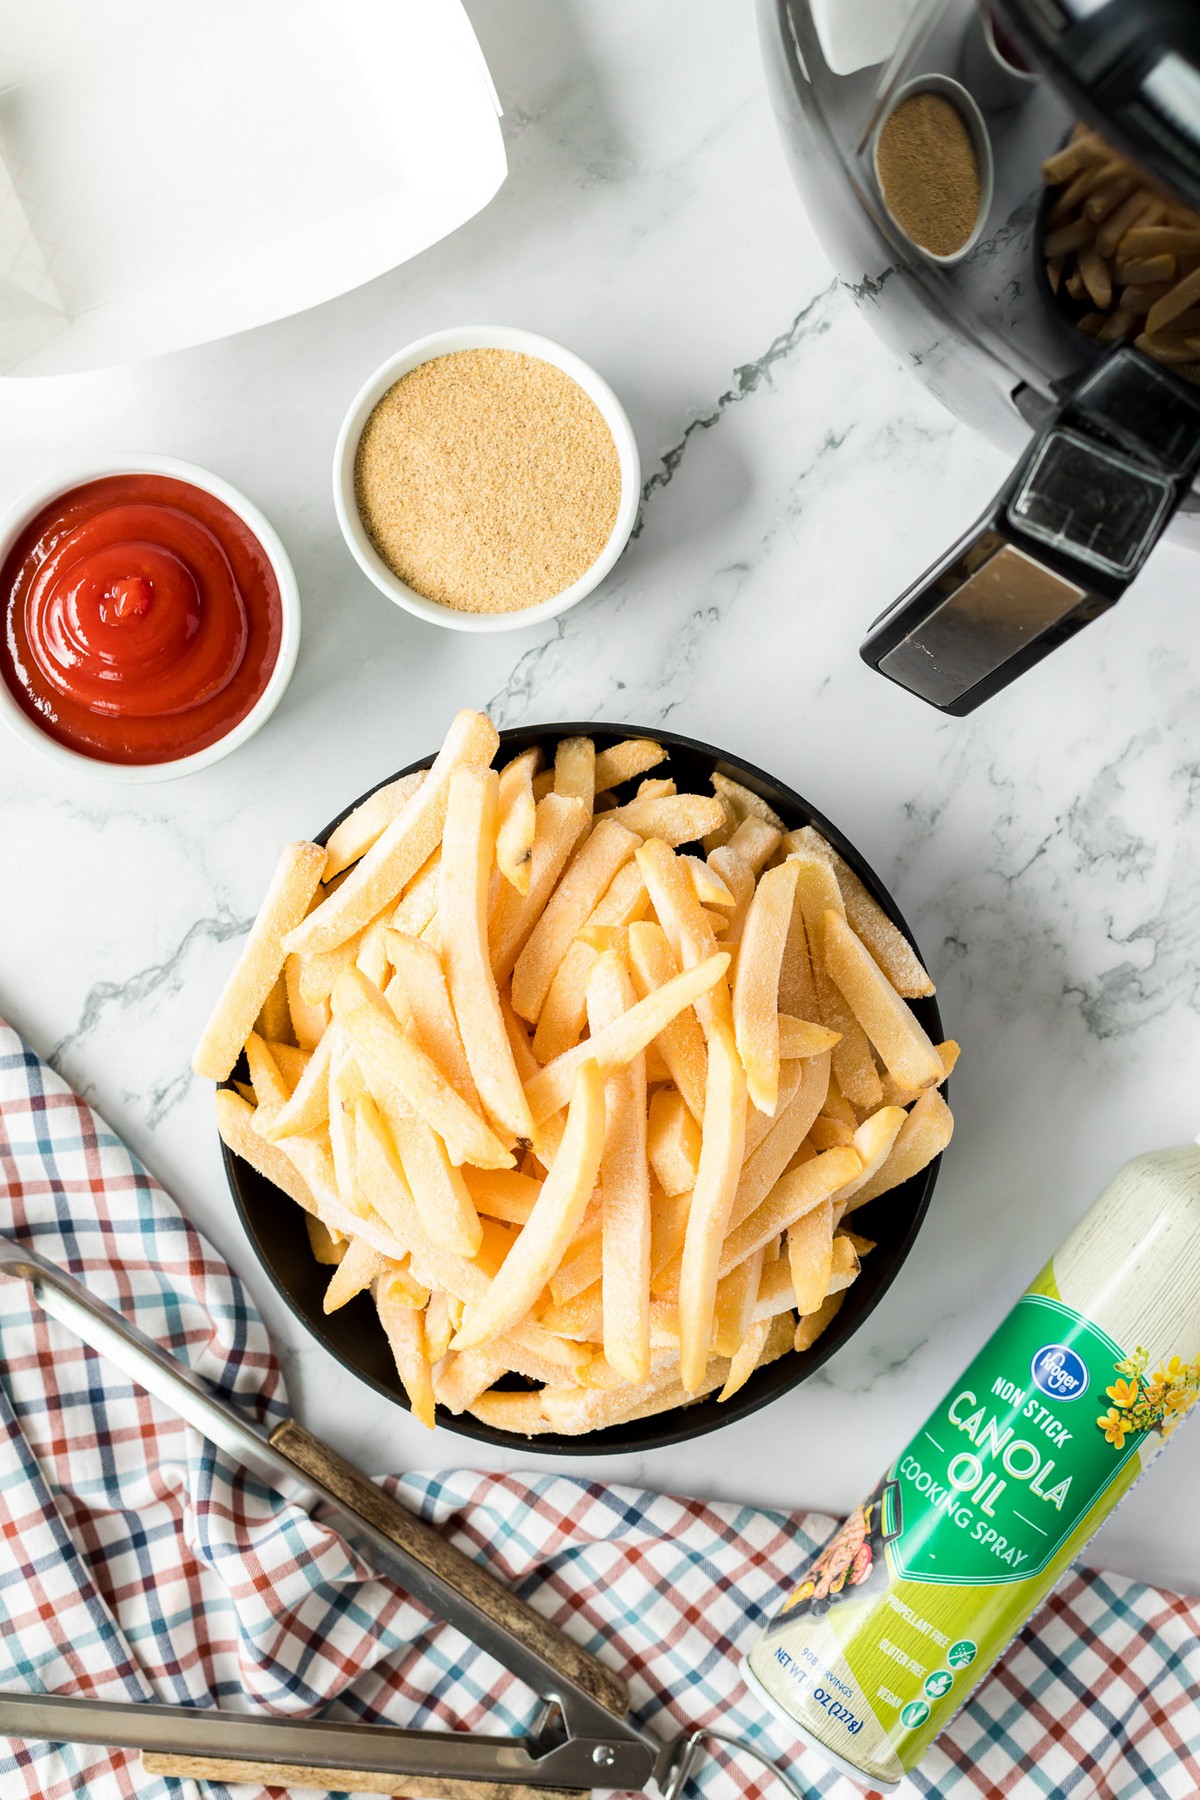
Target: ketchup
column 142, row 619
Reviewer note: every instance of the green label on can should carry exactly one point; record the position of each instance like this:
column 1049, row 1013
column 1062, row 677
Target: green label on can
column 997, row 1481
column 923, row 1587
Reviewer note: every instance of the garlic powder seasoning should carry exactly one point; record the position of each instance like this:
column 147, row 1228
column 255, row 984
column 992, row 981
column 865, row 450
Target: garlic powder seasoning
column 487, row 480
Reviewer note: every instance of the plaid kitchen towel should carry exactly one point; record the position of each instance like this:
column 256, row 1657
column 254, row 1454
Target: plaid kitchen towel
column 136, row 1563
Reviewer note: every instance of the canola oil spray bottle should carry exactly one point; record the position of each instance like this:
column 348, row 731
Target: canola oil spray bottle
column 906, row 1608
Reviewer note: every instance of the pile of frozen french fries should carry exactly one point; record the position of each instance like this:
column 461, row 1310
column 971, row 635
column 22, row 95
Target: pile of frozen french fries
column 569, row 1099
column 1123, row 253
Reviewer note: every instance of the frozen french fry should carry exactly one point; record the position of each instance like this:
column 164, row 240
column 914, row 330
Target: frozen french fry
column 744, row 803
column 810, row 1256
column 317, row 973
column 673, row 1142
column 310, row 1018
column 370, row 1021
column 711, row 890
column 327, row 1246
column 674, row 818
column 722, row 1141
column 235, row 1122
column 873, row 1140
column 624, row 1183
column 354, row 1273
column 756, row 984
column 468, row 846
column 564, row 1011
column 516, row 820
column 363, row 827
column 405, row 1329
column 737, row 878
column 817, row 893
column 680, row 1042
column 898, row 1093
column 797, row 1038
column 412, row 836
column 826, row 1133
column 575, row 769
column 626, row 1037
column 889, row 1023
column 295, row 881
column 759, row 1124
column 608, row 848
column 416, row 909
column 372, row 956
column 755, row 842
column 439, row 1190
column 512, row 917
column 397, row 1284
column 745, row 1359
column 383, row 1181
column 502, row 1193
column 793, row 1195
column 520, row 1415
column 539, row 1248
column 886, row 942
column 581, row 1268
column 813, row 1324
column 733, row 1311
column 580, row 1318
column 668, row 1228
column 787, row 1131
column 621, row 762
column 274, row 1022
column 926, row 1131
column 346, row 1086
column 269, row 1087
column 439, row 1326
column 307, row 1107
column 418, row 990
column 685, row 923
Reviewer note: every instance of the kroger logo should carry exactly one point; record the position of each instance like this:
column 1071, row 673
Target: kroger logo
column 1059, row 1372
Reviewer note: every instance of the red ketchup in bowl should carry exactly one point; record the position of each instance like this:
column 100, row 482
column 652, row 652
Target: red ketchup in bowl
column 142, row 619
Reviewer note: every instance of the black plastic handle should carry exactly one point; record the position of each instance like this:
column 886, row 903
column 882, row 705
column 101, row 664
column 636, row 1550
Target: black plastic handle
column 1059, row 544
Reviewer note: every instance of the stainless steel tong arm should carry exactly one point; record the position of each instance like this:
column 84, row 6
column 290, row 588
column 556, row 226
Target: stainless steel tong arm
column 603, row 1746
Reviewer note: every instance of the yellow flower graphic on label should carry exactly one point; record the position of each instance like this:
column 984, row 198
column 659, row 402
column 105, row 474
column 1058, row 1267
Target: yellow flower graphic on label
column 1113, row 1426
column 1142, row 1402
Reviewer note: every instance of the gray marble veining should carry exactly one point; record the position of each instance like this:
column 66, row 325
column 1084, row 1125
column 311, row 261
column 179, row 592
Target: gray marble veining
column 1046, row 850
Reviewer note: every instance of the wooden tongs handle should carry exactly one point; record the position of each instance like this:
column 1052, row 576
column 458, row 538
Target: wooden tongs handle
column 514, row 1617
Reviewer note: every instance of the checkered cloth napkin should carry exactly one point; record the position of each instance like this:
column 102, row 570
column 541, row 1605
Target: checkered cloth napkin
column 136, row 1563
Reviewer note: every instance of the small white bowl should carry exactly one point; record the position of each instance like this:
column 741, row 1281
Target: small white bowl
column 981, row 142
column 444, row 343
column 18, row 516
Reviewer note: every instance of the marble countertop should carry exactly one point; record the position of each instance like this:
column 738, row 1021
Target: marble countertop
column 1047, row 850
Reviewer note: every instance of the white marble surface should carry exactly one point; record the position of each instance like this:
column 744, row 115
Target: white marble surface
column 1047, row 849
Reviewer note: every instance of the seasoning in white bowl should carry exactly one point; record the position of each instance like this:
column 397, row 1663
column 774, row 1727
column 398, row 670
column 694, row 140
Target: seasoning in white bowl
column 928, row 165
column 488, row 480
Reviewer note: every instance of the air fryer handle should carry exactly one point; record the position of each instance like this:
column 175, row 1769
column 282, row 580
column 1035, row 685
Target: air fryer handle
column 978, row 619
column 1060, row 543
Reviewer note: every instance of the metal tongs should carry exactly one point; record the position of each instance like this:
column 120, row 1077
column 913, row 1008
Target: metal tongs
column 583, row 1736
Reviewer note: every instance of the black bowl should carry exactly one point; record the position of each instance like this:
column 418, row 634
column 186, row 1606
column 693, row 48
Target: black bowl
column 354, row 1334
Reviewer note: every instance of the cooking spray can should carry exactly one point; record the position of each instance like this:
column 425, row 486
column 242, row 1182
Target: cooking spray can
column 908, row 1605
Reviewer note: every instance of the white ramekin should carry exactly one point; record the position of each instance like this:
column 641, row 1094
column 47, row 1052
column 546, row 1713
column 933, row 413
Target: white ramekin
column 443, row 343
column 981, row 142
column 18, row 516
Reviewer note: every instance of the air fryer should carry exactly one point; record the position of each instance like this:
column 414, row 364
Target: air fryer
column 1105, row 434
